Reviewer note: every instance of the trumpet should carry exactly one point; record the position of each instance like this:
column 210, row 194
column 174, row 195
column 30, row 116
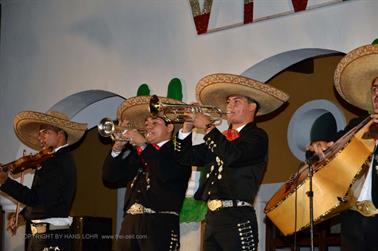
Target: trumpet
column 175, row 113
column 107, row 128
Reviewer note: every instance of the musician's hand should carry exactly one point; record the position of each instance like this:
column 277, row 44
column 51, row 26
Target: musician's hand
column 119, row 137
column 135, row 138
column 187, row 126
column 3, row 175
column 319, row 147
column 374, row 116
column 202, row 121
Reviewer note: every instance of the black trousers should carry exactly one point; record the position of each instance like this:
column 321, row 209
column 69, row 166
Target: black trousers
column 149, row 232
column 358, row 233
column 231, row 229
column 50, row 241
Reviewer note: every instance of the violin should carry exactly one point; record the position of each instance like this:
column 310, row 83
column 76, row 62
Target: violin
column 28, row 161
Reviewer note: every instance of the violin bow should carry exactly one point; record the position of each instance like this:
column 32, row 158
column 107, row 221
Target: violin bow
column 17, row 208
column 14, row 229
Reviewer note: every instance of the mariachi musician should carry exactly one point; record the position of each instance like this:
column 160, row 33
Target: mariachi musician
column 234, row 161
column 356, row 80
column 149, row 166
column 48, row 201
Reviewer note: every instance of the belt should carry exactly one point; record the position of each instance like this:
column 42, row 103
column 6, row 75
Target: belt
column 41, row 228
column 137, row 208
column 214, row 205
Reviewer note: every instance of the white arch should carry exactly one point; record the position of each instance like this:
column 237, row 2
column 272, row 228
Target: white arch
column 75, row 103
column 266, row 69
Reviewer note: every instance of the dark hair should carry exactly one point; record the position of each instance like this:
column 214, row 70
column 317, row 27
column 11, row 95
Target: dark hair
column 372, row 82
column 251, row 100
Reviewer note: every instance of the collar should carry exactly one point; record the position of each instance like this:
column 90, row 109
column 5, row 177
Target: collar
column 240, row 128
column 162, row 143
column 246, row 125
column 60, row 147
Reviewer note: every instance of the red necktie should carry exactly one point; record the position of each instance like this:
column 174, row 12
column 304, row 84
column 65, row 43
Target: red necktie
column 231, row 134
column 157, row 147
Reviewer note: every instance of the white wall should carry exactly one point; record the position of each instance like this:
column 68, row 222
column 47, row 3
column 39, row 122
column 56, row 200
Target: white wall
column 51, row 49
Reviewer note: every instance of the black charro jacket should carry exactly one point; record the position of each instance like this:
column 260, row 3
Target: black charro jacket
column 233, row 169
column 156, row 178
column 52, row 190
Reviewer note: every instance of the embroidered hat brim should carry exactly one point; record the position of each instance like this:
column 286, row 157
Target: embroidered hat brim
column 215, row 88
column 354, row 76
column 27, row 125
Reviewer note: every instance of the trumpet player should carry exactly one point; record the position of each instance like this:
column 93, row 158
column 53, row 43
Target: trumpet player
column 234, row 161
column 148, row 165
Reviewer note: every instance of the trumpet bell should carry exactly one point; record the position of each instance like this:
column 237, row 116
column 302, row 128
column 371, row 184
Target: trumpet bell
column 106, row 128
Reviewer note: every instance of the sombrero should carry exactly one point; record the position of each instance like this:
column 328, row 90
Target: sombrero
column 354, row 75
column 136, row 109
column 215, row 88
column 27, row 124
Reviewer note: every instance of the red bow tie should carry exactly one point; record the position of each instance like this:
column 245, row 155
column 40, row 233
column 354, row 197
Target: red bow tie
column 231, row 134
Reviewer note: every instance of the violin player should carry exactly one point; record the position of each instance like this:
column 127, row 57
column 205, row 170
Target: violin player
column 48, row 201
column 356, row 80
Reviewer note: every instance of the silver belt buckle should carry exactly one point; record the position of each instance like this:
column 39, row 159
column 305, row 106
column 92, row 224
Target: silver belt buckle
column 227, row 203
column 241, row 203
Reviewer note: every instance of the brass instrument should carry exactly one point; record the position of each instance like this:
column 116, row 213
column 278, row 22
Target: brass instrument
column 175, row 113
column 107, row 128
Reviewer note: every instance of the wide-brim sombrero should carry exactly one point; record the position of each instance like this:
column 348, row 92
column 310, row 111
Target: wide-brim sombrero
column 136, row 110
column 27, row 124
column 354, row 76
column 215, row 88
